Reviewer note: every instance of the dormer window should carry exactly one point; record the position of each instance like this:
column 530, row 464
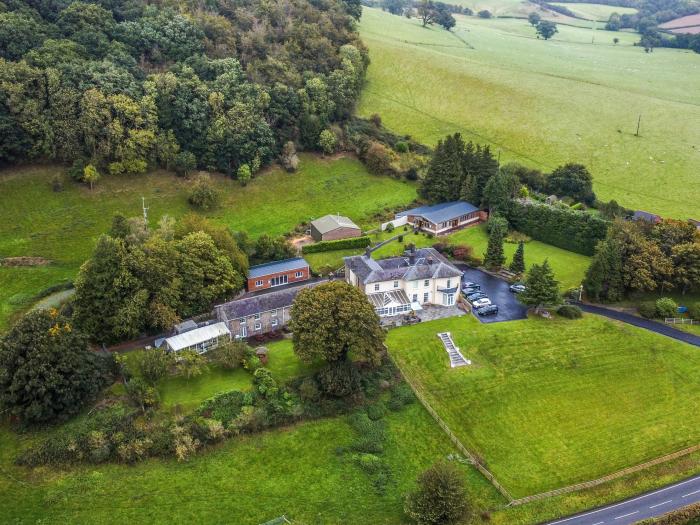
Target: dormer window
column 396, row 284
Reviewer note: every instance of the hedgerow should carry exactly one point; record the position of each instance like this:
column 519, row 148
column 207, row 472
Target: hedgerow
column 340, row 244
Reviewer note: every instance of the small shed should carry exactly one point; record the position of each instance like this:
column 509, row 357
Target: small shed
column 200, row 340
column 262, row 353
column 334, row 227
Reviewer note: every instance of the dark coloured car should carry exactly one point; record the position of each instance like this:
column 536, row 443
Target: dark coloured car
column 474, row 296
column 471, row 289
column 517, row 287
column 490, row 309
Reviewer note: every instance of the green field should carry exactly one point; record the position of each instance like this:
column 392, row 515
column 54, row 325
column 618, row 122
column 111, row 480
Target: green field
column 575, row 98
column 569, row 267
column 598, row 12
column 549, row 403
column 63, row 227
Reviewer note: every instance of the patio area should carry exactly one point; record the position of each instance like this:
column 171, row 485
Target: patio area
column 427, row 313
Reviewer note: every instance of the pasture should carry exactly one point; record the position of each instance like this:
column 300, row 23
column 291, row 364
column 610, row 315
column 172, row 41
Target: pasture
column 575, row 98
column 548, row 403
column 63, row 226
column 599, row 12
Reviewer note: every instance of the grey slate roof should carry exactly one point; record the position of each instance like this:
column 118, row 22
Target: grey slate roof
column 247, row 306
column 297, row 263
column 328, row 223
column 429, row 264
column 441, row 212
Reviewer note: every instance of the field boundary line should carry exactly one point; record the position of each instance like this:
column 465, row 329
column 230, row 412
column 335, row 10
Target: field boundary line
column 605, row 479
column 455, row 440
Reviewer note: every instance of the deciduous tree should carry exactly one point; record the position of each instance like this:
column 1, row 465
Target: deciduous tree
column 440, row 498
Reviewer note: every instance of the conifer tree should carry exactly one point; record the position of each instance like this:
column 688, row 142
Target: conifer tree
column 494, row 256
column 540, row 287
column 443, row 180
column 517, row 265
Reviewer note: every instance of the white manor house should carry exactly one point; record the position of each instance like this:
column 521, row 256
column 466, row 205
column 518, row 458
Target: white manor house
column 400, row 284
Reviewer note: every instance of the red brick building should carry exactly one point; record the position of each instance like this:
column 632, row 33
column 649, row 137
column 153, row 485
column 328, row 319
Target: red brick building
column 278, row 273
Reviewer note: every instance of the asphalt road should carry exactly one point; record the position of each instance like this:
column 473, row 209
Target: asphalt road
column 640, row 322
column 497, row 290
column 649, row 505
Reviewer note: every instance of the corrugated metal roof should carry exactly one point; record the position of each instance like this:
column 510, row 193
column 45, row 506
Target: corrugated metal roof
column 441, row 212
column 199, row 335
column 329, row 223
column 297, row 263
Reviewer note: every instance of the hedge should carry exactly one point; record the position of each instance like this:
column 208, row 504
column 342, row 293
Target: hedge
column 565, row 228
column 340, row 244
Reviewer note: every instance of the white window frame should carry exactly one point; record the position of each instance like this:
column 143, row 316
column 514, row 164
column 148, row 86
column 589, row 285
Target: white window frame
column 273, row 322
column 256, row 316
column 273, row 313
column 426, row 282
column 426, row 297
column 298, row 274
column 258, row 326
column 396, row 284
column 242, row 320
column 376, row 287
column 258, row 283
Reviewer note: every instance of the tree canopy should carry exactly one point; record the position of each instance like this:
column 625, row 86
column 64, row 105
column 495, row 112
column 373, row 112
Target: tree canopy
column 132, row 85
column 47, row 371
column 334, row 321
column 541, row 289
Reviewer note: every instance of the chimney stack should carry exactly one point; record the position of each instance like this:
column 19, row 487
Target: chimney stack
column 411, row 254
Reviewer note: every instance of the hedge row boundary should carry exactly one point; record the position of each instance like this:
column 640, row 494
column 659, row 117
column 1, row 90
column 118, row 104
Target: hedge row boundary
column 340, row 244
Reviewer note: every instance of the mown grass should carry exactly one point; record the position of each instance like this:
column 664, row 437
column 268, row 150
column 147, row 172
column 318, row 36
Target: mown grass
column 575, row 98
column 548, row 403
column 569, row 268
column 63, row 226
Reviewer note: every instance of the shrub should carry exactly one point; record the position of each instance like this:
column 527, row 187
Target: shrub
column 390, row 227
column 401, row 147
column 694, row 311
column 666, row 307
column 569, row 311
column 647, row 309
column 401, row 395
column 203, row 194
column 440, row 496
column 340, row 244
column 485, row 14
column 370, row 434
column 327, row 141
column 308, row 390
column 462, row 252
column 230, row 355
column 378, row 159
column 411, row 173
column 376, row 411
column 339, row 379
column 224, row 407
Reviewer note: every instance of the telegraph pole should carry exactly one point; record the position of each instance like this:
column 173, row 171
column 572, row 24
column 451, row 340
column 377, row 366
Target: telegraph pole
column 639, row 121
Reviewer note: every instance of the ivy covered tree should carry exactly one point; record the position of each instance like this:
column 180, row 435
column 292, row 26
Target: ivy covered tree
column 47, row 371
column 332, row 322
column 541, row 289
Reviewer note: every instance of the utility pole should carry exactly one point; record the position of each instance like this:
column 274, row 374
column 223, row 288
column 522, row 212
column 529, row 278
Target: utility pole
column 145, row 214
column 639, row 121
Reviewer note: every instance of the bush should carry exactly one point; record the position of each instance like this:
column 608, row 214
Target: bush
column 694, row 311
column 401, row 395
column 570, row 311
column 647, row 309
column 378, row 159
column 440, row 497
column 485, row 14
column 666, row 307
column 339, row 379
column 411, row 173
column 224, row 407
column 401, row 147
column 370, row 434
column 230, row 355
column 203, row 194
column 340, row 244
column 390, row 227
column 376, row 411
column 462, row 252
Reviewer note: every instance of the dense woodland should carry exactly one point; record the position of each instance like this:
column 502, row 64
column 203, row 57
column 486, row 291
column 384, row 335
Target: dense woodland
column 128, row 85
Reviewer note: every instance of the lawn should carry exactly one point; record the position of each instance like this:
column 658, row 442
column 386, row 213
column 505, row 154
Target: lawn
column 548, row 403
column 575, row 98
column 569, row 267
column 247, row 480
column 63, row 227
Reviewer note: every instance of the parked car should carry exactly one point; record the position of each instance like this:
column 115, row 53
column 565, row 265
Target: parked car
column 517, row 287
column 485, row 301
column 470, row 283
column 471, row 289
column 490, row 309
column 476, row 295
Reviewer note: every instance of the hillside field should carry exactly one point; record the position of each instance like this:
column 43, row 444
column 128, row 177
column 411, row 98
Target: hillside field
column 575, row 98
column 598, row 12
column 63, row 226
column 548, row 403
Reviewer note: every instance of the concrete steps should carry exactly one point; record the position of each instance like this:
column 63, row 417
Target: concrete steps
column 456, row 357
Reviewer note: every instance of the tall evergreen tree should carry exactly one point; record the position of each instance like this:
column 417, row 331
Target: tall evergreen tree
column 442, row 181
column 541, row 289
column 494, row 256
column 517, row 265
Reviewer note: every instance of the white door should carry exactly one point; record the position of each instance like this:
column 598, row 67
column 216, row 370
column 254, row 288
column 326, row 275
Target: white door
column 244, row 331
column 448, row 299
